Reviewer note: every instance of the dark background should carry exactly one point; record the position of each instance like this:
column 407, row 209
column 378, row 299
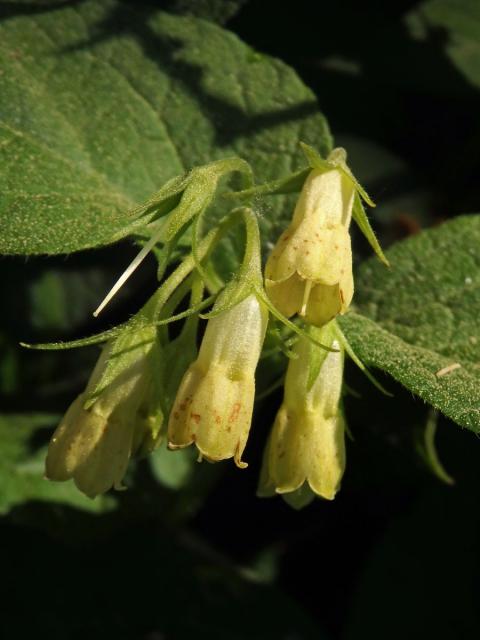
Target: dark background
column 396, row 554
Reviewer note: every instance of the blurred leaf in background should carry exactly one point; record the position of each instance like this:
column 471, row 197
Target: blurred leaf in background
column 459, row 23
column 22, row 467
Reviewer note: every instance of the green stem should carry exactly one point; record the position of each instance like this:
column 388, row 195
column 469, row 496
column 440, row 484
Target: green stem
column 152, row 309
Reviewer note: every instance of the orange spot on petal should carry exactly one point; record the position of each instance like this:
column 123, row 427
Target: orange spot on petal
column 235, row 411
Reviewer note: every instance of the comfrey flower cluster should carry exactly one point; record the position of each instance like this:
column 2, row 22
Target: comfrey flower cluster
column 147, row 388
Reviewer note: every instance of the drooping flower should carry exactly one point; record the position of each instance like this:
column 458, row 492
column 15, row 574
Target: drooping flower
column 93, row 445
column 310, row 269
column 214, row 403
column 306, row 444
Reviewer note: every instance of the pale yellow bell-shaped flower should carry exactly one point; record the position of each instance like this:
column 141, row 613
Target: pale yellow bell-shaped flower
column 307, row 439
column 214, row 404
column 93, row 446
column 310, row 269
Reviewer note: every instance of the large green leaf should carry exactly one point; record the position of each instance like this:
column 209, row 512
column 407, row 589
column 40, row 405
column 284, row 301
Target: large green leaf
column 421, row 316
column 22, row 466
column 101, row 103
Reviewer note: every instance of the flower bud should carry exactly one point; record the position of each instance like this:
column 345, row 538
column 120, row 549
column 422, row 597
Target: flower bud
column 310, row 269
column 93, row 446
column 307, row 440
column 214, row 403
